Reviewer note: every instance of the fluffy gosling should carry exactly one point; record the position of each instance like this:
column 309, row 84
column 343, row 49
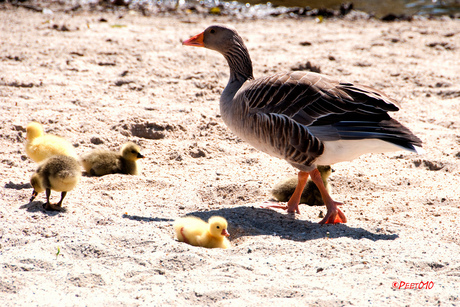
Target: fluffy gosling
column 194, row 231
column 58, row 173
column 40, row 146
column 104, row 162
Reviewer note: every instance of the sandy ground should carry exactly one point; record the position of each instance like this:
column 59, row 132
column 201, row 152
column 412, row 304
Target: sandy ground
column 101, row 79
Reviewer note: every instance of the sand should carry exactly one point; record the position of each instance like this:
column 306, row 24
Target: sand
column 101, row 79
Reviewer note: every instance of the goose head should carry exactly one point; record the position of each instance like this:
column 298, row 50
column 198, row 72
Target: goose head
column 218, row 227
column 217, row 37
column 33, row 131
column 131, row 151
column 228, row 42
column 325, row 171
column 36, row 183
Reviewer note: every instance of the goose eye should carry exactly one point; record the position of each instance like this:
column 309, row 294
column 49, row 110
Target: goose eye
column 212, row 31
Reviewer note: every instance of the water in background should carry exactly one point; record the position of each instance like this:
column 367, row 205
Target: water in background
column 379, row 7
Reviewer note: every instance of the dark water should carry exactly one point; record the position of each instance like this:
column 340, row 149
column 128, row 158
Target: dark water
column 262, row 7
column 379, row 7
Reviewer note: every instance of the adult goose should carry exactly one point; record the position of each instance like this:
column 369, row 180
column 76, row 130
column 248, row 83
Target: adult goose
column 305, row 118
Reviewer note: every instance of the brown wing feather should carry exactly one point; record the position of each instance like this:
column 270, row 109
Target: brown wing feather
column 313, row 99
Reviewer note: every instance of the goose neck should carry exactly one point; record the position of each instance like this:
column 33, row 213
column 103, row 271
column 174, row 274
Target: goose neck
column 239, row 62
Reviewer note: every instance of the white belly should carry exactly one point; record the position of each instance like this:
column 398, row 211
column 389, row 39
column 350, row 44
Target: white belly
column 347, row 150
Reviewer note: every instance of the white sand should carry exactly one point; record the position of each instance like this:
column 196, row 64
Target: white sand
column 116, row 240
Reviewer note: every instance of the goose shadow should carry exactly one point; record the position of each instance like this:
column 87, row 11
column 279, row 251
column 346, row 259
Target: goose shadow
column 251, row 221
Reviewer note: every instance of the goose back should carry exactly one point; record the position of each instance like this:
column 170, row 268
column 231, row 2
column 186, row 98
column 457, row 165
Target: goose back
column 295, row 115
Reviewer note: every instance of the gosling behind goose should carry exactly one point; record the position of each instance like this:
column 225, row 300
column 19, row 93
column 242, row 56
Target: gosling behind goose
column 311, row 196
column 305, row 118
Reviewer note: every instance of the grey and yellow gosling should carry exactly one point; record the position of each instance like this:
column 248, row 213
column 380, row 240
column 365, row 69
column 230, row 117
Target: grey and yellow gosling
column 104, row 162
column 59, row 173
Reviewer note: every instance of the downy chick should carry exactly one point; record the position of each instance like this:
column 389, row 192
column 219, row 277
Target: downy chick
column 59, row 173
column 311, row 196
column 196, row 232
column 40, row 146
column 103, row 162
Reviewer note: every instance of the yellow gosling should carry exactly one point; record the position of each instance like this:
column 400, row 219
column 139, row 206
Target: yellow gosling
column 196, row 232
column 40, row 146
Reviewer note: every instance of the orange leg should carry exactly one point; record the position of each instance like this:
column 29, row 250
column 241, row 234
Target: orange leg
column 293, row 203
column 183, row 236
column 333, row 215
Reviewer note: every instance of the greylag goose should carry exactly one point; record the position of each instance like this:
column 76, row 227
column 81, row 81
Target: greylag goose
column 59, row 173
column 40, row 146
column 306, row 118
column 310, row 195
column 104, row 162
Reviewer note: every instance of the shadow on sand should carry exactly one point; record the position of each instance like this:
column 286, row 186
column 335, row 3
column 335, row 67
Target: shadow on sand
column 17, row 186
column 146, row 219
column 251, row 221
column 38, row 206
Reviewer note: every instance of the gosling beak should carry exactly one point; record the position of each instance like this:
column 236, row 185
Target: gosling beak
column 225, row 233
column 34, row 194
column 196, row 41
column 140, row 156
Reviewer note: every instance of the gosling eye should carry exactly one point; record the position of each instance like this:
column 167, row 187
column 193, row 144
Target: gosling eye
column 218, row 227
column 134, row 152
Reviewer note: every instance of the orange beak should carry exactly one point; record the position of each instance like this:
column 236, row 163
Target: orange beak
column 225, row 233
column 196, row 41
